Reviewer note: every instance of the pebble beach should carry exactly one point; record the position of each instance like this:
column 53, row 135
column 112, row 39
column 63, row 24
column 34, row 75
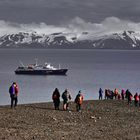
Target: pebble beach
column 99, row 119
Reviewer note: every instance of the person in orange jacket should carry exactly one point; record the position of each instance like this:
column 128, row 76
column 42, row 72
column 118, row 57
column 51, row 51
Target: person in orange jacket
column 79, row 101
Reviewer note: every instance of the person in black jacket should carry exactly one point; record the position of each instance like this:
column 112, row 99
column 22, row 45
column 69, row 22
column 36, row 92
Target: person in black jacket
column 66, row 98
column 129, row 96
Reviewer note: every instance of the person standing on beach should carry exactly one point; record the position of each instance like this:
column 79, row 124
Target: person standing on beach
column 56, row 98
column 136, row 99
column 100, row 94
column 116, row 93
column 122, row 94
column 13, row 90
column 66, row 98
column 79, row 101
column 129, row 97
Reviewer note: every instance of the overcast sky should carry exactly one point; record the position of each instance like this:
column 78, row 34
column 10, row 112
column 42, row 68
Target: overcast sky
column 69, row 15
column 58, row 11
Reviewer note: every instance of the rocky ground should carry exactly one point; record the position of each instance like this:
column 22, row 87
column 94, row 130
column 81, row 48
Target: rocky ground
column 99, row 120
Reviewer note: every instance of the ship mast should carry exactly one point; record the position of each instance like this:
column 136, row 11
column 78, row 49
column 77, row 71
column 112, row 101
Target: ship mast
column 36, row 61
column 21, row 63
column 59, row 66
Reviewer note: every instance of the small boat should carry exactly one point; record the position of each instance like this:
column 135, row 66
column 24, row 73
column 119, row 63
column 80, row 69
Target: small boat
column 35, row 69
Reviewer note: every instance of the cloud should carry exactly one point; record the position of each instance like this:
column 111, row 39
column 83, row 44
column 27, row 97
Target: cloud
column 42, row 28
column 76, row 26
column 107, row 26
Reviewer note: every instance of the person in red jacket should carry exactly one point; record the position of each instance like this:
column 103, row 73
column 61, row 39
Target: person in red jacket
column 13, row 90
column 56, row 99
column 79, row 101
column 116, row 93
column 136, row 99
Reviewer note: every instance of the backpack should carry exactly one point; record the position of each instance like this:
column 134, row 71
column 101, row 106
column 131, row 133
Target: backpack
column 137, row 98
column 65, row 96
column 11, row 90
column 79, row 99
column 55, row 96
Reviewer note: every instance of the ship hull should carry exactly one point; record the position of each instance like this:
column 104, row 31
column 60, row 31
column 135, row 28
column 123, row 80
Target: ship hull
column 42, row 72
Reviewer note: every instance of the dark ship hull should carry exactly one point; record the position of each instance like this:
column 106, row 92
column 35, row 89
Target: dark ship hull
column 42, row 72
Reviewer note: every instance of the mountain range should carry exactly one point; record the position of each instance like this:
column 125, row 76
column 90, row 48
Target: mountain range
column 121, row 40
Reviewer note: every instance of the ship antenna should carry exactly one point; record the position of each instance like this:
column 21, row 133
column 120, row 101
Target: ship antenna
column 36, row 61
column 59, row 66
column 21, row 63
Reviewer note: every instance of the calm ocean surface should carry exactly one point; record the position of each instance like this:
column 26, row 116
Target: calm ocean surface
column 88, row 71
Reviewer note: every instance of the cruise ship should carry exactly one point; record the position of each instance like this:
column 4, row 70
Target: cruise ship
column 35, row 69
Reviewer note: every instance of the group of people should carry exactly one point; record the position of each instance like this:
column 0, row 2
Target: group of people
column 110, row 94
column 66, row 98
column 13, row 91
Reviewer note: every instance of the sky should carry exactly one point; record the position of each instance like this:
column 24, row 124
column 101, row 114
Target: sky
column 69, row 15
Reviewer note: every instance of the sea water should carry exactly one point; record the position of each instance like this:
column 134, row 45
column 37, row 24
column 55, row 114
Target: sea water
column 88, row 70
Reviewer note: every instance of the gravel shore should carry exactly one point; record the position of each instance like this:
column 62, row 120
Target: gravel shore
column 99, row 120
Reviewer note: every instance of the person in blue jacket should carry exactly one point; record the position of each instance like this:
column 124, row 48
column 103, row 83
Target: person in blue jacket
column 13, row 91
column 100, row 94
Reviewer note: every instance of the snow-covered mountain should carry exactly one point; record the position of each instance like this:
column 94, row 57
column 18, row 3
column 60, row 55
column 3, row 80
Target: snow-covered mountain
column 122, row 40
